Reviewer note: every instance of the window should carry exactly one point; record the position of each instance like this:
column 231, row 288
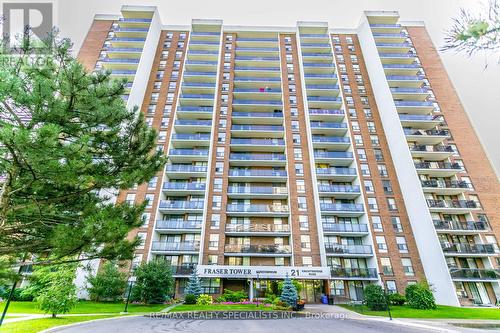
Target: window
column 355, row 126
column 368, row 113
column 217, row 184
column 378, row 154
column 295, row 125
column 358, row 139
column 391, row 204
column 381, row 244
column 149, row 199
column 145, row 217
column 375, row 141
column 396, row 224
column 307, row 261
column 152, row 183
column 305, row 243
column 278, row 261
column 212, row 259
column 401, row 242
column 371, row 126
column 162, row 136
column 221, row 137
column 301, row 186
column 365, row 170
column 296, row 139
column 386, row 266
column 215, row 221
column 302, row 203
column 407, row 267
column 299, row 169
column 387, row 186
column 216, row 202
column 372, row 204
column 361, row 154
column 303, row 222
column 297, row 153
column 220, row 152
column 369, row 186
column 382, row 170
column 377, row 223
column 219, row 167
column 213, row 244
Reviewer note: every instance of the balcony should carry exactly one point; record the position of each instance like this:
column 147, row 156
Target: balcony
column 474, row 274
column 336, row 158
column 428, row 137
column 260, row 192
column 209, row 77
column 431, row 153
column 329, row 102
column 414, row 107
column 322, row 89
column 339, row 191
column 192, row 126
column 388, row 37
column 175, row 247
column 397, row 58
column 336, row 174
column 182, row 171
column 409, row 81
column 328, row 128
column 257, row 210
column 341, row 250
column 420, row 121
column 264, row 145
column 257, row 175
column 200, row 65
column 257, row 51
column 176, row 226
column 345, row 229
column 183, row 270
column 328, row 115
column 187, row 155
column 256, row 105
column 460, row 228
column 354, row 273
column 385, row 28
column 410, row 94
column 342, row 209
column 186, row 140
column 257, row 229
column 181, row 207
column 468, row 250
column 312, row 78
column 331, row 142
column 260, row 250
column 452, row 206
column 133, row 42
column 184, row 188
column 445, row 187
column 401, row 69
column 437, row 169
column 252, row 131
column 250, row 159
column 262, row 118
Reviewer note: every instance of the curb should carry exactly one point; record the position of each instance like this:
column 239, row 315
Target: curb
column 58, row 328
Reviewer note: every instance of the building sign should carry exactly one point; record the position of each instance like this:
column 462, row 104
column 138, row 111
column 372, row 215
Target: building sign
column 263, row 272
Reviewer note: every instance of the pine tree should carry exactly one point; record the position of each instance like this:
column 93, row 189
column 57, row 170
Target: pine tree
column 289, row 294
column 194, row 285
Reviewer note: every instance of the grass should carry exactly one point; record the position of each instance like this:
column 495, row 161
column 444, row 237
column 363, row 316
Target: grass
column 85, row 307
column 37, row 325
column 220, row 307
column 442, row 312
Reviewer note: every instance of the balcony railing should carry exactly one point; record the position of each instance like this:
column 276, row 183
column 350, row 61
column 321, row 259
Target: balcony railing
column 325, row 112
column 185, row 168
column 474, row 273
column 257, row 173
column 178, row 225
column 413, row 103
column 185, row 269
column 445, row 184
column 181, row 204
column 256, row 190
column 333, row 154
column 184, row 186
column 363, row 273
column 256, row 102
column 256, row 208
column 409, row 131
column 199, row 96
column 340, row 207
column 431, row 148
column 339, row 188
column 418, row 117
column 258, row 142
column 257, row 114
column 189, row 122
column 176, row 246
column 332, row 248
column 258, row 249
column 451, row 203
column 257, row 227
column 322, row 124
column 257, row 157
column 330, row 139
column 336, row 171
column 195, row 137
column 437, row 165
column 257, row 58
column 188, row 152
column 345, row 227
column 324, row 99
column 461, row 226
column 468, row 248
column 257, row 128
column 404, row 77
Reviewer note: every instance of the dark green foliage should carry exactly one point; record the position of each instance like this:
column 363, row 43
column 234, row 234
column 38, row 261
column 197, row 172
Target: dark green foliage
column 234, row 296
column 65, row 136
column 19, row 294
column 194, row 285
column 108, row 284
column 374, row 297
column 397, row 299
column 190, row 299
column 419, row 296
column 289, row 292
column 154, row 282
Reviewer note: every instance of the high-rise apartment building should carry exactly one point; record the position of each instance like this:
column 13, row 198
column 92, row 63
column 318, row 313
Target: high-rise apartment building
column 340, row 157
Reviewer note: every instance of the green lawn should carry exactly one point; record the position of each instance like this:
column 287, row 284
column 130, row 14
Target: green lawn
column 448, row 312
column 37, row 325
column 220, row 307
column 85, row 307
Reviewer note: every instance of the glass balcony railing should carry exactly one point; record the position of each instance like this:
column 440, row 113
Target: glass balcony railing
column 397, row 55
column 417, row 117
column 178, row 225
column 475, row 274
column 333, row 248
column 256, row 58
column 189, row 152
column 404, row 77
column 198, row 84
column 258, row 249
column 314, row 45
column 460, row 226
column 207, row 109
column 185, row 168
column 181, row 204
column 200, row 96
column 402, row 35
column 326, row 76
column 257, row 190
column 468, row 248
column 256, row 102
column 325, row 65
column 257, row 157
column 205, row 33
column 397, row 45
column 377, row 25
column 317, row 54
column 264, row 128
column 131, row 30
column 401, row 66
column 314, row 35
column 323, row 124
column 255, row 39
column 203, row 42
column 123, row 72
column 257, row 90
column 336, row 171
column 191, row 137
column 189, row 122
column 265, row 49
column 333, row 154
column 362, row 273
column 176, row 246
column 330, row 139
column 137, row 20
column 257, row 114
column 258, row 142
column 122, row 49
column 202, row 52
column 410, row 131
column 256, row 208
column 260, row 227
column 322, row 86
column 245, row 68
column 451, row 203
column 345, row 227
column 183, row 269
column 338, row 188
column 201, row 62
column 120, row 60
column 324, row 99
column 257, row 79
column 195, row 186
column 425, row 148
column 410, row 90
column 257, row 173
column 340, row 207
column 128, row 39
column 413, row 103
column 445, row 184
column 200, row 74
column 318, row 112
column 437, row 165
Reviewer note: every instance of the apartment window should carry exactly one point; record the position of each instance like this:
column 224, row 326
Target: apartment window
column 177, row 64
column 215, row 221
column 336, row 40
column 365, row 169
column 342, row 68
column 299, row 169
column 368, row 186
column 377, row 223
column 170, row 97
column 401, row 242
column 152, row 183
column 294, row 112
column 180, row 45
column 217, row 184
column 145, row 217
column 157, row 85
column 162, row 136
column 219, row 167
column 302, row 203
column 159, row 74
column 301, row 186
column 212, row 259
column 381, row 244
column 375, row 141
column 303, row 222
column 378, row 154
column 216, row 202
column 382, row 170
column 391, row 204
column 368, row 113
column 213, row 243
column 178, row 54
column 467, row 181
column 136, row 261
column 220, row 152
column 297, row 154
column 221, row 137
column 355, row 67
column 349, row 100
column 149, row 200
column 347, row 89
column 371, row 126
column 307, row 261
column 386, row 266
column 292, row 88
column 305, row 243
column 372, row 204
column 358, row 139
column 361, row 154
column 407, row 267
column 296, row 139
column 396, row 224
column 355, row 126
column 387, row 186
column 222, row 123
column 151, row 108
column 475, row 198
column 352, row 113
column 279, row 261
column 182, row 36
column 364, row 101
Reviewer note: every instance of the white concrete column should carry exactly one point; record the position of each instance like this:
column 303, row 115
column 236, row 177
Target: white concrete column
column 250, row 292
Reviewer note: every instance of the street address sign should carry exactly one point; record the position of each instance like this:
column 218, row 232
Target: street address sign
column 263, row 272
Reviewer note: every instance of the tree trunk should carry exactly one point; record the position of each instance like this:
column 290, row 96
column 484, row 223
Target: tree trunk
column 54, row 315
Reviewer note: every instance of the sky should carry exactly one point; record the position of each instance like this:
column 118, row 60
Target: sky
column 478, row 88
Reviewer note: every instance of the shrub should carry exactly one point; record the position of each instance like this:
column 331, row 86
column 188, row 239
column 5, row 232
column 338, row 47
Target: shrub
column 194, row 285
column 234, row 296
column 154, row 282
column 270, row 298
column 397, row 299
column 190, row 299
column 59, row 296
column 280, row 305
column 220, row 299
column 108, row 284
column 204, row 299
column 20, row 294
column 289, row 294
column 419, row 296
column 374, row 297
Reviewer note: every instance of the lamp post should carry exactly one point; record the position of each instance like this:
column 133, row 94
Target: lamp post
column 131, row 281
column 385, row 295
column 257, row 292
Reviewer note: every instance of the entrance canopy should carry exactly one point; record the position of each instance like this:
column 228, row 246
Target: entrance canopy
column 263, row 272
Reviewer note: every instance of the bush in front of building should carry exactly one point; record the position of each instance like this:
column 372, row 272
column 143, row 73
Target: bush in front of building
column 194, row 285
column 280, row 305
column 204, row 299
column 419, row 296
column 190, row 299
column 154, row 282
column 232, row 296
column 108, row 284
column 374, row 297
column 397, row 299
